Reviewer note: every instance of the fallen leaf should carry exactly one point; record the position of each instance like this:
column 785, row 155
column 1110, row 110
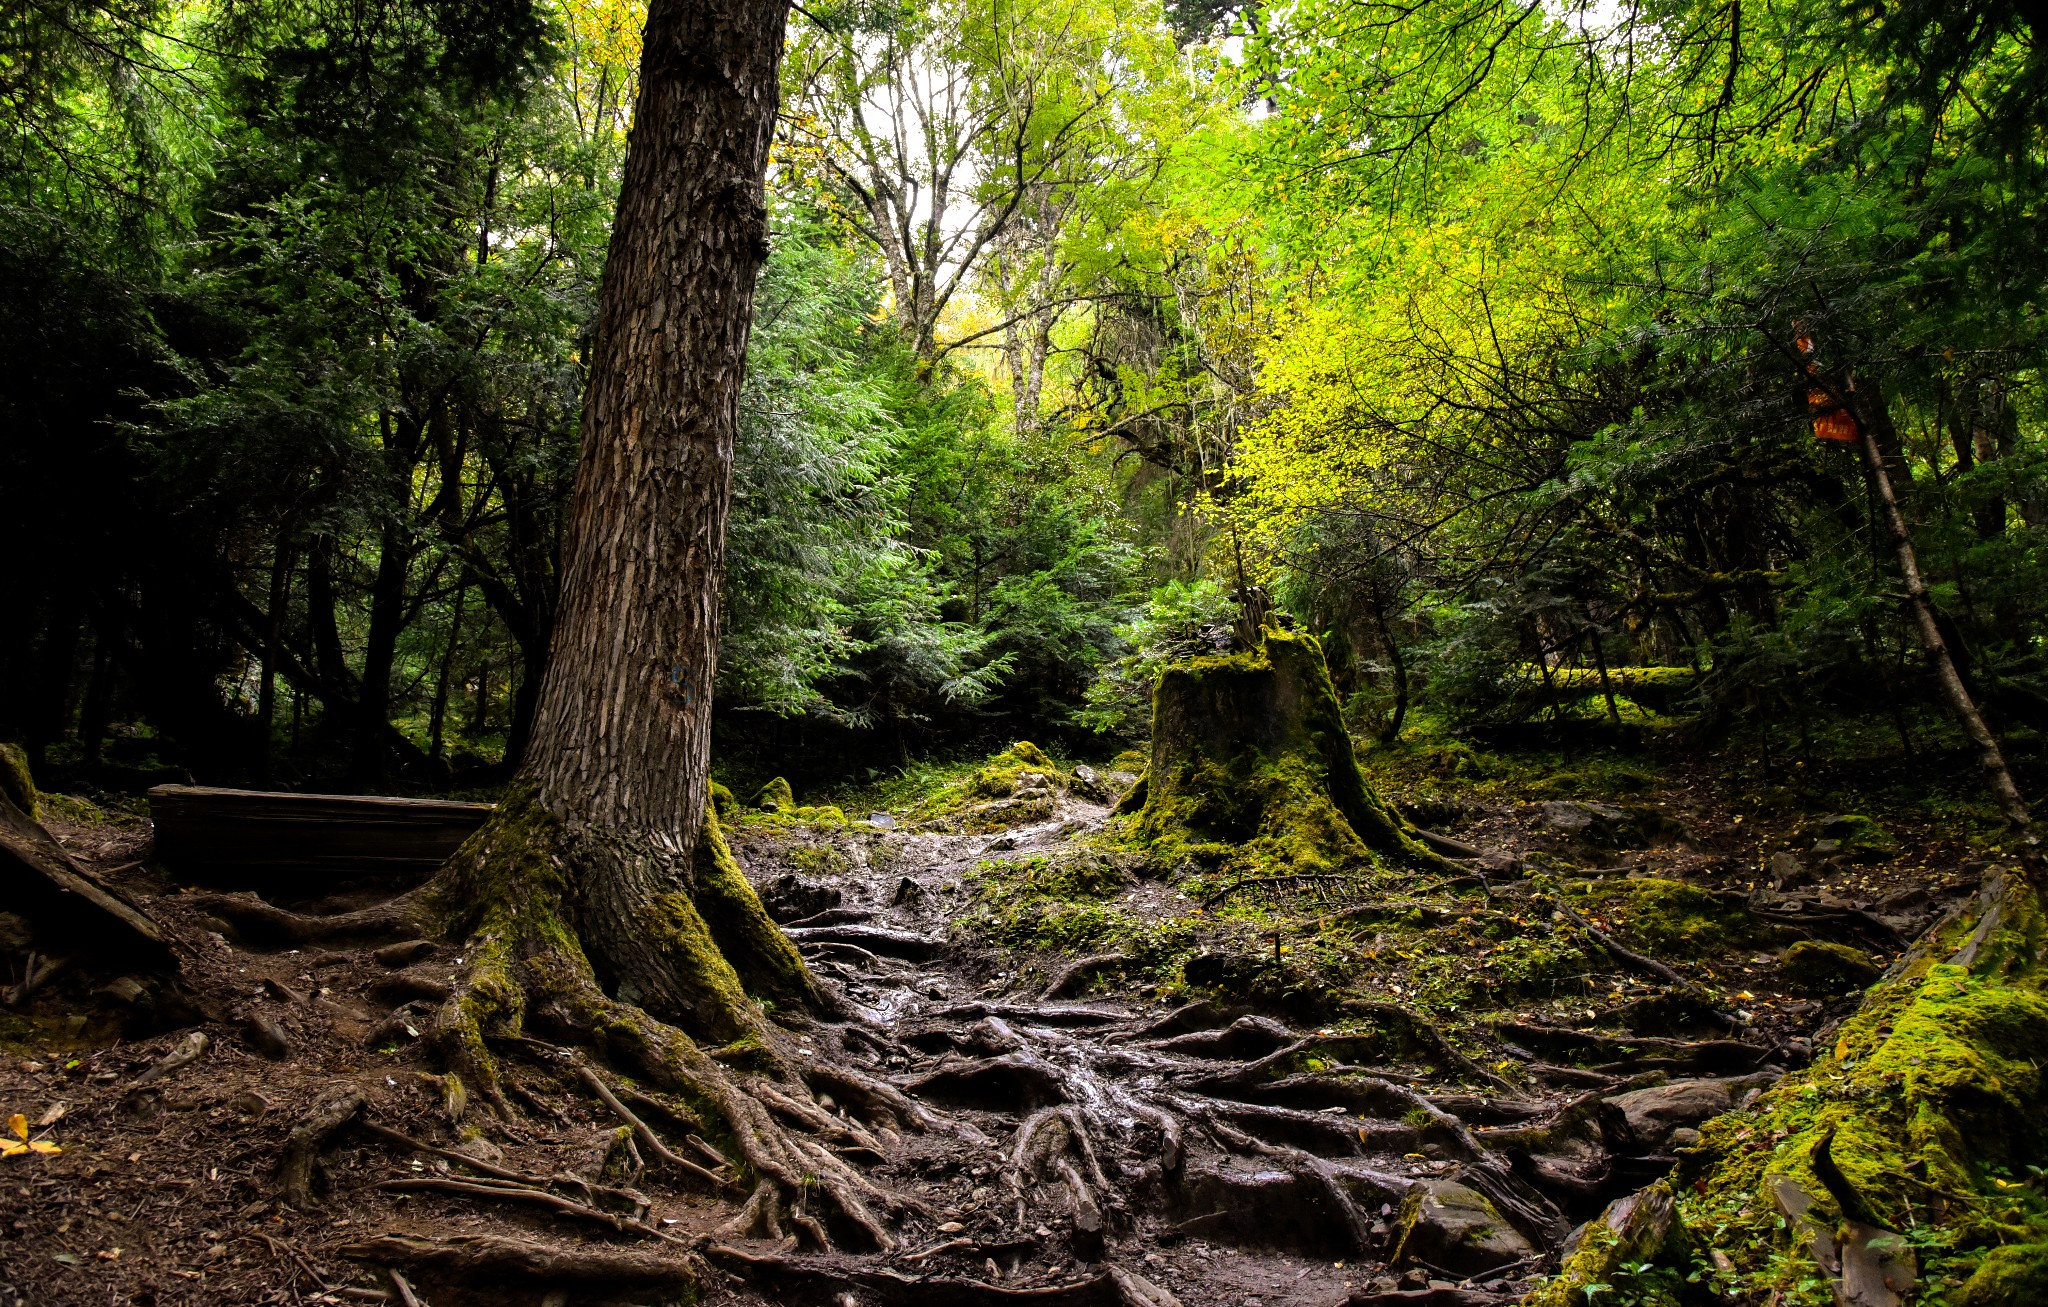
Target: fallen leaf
column 53, row 1115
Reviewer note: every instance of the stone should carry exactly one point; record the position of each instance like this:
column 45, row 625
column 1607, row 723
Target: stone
column 1604, row 826
column 1455, row 1228
column 1788, row 872
column 1820, row 967
column 1647, row 1120
column 1088, row 785
column 881, row 821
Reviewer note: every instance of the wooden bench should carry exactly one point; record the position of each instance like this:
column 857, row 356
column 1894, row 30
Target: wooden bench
column 260, row 839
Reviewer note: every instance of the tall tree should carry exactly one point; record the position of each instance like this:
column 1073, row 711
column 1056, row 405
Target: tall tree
column 599, row 904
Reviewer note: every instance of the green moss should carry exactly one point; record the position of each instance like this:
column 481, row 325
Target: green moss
column 1628, row 1256
column 775, row 796
column 2008, row 1277
column 1048, row 903
column 1130, row 760
column 768, row 965
column 1931, row 1096
column 1019, row 785
column 1250, row 752
column 1823, row 967
column 723, row 803
column 17, row 786
column 1670, row 918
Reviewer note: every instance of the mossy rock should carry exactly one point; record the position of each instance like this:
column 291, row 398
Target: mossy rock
column 775, row 796
column 1821, row 967
column 1021, row 769
column 1249, row 750
column 1933, row 1093
column 1130, row 760
column 16, row 784
column 1849, row 835
column 723, row 803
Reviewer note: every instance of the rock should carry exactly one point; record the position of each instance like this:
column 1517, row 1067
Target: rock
column 791, row 898
column 1848, row 835
column 722, row 802
column 1088, row 785
column 1453, row 1227
column 1821, row 967
column 1903, row 901
column 907, row 891
column 1643, row 1227
column 881, row 821
column 1604, row 826
column 775, row 796
column 1788, row 872
column 1645, row 1120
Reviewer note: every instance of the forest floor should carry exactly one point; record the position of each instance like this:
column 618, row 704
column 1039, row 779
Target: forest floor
column 1247, row 1092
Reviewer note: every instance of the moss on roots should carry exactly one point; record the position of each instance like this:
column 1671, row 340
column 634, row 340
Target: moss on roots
column 1926, row 1116
column 1251, row 767
column 541, row 930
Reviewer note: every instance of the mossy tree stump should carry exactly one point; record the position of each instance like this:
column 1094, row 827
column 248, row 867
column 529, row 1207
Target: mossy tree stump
column 1251, row 766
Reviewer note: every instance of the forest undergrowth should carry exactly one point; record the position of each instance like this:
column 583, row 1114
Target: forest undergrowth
column 1231, row 1082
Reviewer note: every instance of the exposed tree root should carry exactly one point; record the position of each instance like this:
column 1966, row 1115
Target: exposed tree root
column 801, row 1280
column 302, row 1151
column 493, row 1257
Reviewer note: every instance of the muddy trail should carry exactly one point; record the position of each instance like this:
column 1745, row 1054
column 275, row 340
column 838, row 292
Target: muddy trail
column 1115, row 1123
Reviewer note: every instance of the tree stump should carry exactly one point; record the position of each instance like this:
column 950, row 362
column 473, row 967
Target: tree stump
column 1251, row 767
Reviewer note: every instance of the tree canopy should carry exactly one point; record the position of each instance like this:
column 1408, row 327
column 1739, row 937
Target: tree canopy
column 1492, row 340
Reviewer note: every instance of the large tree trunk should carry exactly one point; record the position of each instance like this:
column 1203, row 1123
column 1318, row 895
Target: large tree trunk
column 599, row 904
column 1252, row 769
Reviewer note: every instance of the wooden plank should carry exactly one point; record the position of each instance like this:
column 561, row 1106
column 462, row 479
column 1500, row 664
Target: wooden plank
column 255, row 838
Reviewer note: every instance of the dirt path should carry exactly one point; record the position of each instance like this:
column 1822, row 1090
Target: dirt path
column 1116, row 1141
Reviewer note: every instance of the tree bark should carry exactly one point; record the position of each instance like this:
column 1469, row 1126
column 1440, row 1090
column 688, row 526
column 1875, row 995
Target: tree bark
column 622, row 730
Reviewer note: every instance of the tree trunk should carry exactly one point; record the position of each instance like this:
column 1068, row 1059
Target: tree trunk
column 599, row 904
column 1252, row 769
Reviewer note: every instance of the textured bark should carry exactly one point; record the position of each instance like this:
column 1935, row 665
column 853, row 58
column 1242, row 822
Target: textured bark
column 622, row 731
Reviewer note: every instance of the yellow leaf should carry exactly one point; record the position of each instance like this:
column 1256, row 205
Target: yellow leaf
column 18, row 1123
column 44, row 1147
column 12, row 1149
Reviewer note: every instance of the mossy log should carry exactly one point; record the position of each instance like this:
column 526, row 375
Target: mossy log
column 1902, row 1165
column 1251, row 766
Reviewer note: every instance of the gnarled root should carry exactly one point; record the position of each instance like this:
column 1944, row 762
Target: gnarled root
column 266, row 923
column 493, row 1257
column 1053, row 1145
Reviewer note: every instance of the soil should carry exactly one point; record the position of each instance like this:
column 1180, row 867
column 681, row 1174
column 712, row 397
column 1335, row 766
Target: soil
column 1221, row 1145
